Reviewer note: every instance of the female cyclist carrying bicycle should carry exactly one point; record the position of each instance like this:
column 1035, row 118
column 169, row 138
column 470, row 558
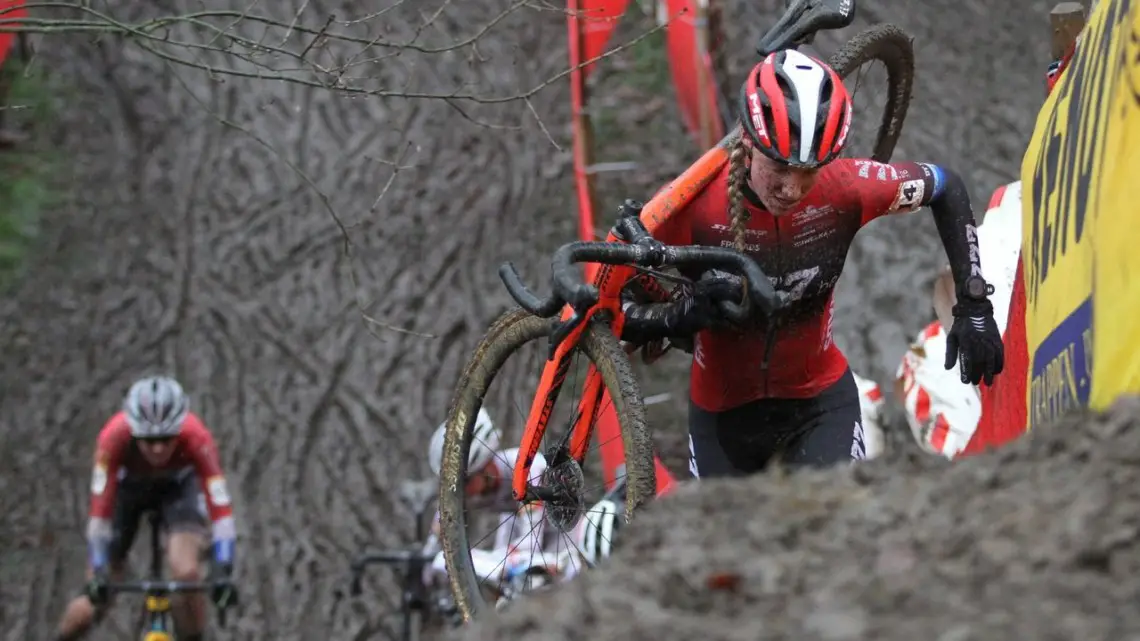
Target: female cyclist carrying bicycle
column 788, row 201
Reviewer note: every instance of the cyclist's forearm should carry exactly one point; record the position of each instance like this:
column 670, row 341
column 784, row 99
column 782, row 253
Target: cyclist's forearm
column 224, row 537
column 954, row 219
column 98, row 542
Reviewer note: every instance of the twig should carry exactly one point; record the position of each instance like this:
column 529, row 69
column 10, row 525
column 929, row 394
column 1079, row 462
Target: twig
column 396, row 168
column 541, row 124
column 317, row 37
column 320, row 194
column 144, row 32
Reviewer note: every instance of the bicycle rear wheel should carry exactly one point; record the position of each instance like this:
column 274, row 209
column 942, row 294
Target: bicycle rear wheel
column 891, row 46
column 506, row 336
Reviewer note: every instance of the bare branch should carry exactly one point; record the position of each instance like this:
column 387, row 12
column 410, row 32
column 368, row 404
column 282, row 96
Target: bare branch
column 220, row 30
column 530, row 106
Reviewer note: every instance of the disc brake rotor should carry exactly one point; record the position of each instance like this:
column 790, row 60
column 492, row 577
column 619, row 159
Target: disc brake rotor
column 568, row 481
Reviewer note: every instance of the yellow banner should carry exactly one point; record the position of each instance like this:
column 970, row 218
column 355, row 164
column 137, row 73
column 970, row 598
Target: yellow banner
column 1116, row 305
column 1076, row 169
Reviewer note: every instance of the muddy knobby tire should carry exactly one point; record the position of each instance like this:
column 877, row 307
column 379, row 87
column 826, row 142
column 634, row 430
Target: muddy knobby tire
column 891, row 46
column 507, row 334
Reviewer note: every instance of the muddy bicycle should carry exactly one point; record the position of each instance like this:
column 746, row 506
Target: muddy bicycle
column 419, row 604
column 157, row 623
column 590, row 320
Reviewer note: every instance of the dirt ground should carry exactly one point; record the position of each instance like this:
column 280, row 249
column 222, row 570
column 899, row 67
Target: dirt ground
column 1039, row 541
column 204, row 233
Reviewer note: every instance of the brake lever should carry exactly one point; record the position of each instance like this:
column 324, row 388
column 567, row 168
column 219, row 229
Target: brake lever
column 563, row 330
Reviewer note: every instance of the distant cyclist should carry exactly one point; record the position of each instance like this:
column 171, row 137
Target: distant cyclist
column 156, row 455
column 789, row 202
column 522, row 542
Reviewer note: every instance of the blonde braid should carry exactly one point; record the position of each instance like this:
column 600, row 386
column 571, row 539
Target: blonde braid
column 738, row 214
column 737, row 175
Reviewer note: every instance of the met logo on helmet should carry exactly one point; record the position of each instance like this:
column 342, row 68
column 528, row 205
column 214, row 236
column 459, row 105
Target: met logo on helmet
column 758, row 118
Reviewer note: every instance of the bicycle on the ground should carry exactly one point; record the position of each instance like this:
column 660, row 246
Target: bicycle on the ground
column 157, row 621
column 590, row 318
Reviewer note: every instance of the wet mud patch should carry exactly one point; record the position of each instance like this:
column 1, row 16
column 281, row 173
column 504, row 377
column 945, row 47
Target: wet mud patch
column 1037, row 540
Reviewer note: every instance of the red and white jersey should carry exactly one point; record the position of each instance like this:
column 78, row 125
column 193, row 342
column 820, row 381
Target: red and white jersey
column 117, row 459
column 943, row 412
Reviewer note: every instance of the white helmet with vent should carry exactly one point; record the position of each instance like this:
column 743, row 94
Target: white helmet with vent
column 155, row 407
column 485, row 442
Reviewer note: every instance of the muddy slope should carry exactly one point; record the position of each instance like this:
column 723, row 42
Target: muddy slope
column 1039, row 541
column 201, row 234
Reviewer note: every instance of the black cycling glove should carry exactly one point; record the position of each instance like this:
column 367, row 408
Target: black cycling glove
column 974, row 340
column 693, row 308
column 222, row 592
column 96, row 588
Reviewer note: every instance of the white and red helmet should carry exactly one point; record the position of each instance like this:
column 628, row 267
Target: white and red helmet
column 796, row 109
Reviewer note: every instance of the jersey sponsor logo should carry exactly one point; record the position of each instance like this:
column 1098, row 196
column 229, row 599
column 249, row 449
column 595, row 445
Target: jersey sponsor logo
column 934, row 172
column 811, row 213
column 751, row 247
column 99, row 479
column 216, row 488
column 975, row 251
column 721, row 227
column 881, row 170
column 795, row 284
column 814, row 235
column 909, row 196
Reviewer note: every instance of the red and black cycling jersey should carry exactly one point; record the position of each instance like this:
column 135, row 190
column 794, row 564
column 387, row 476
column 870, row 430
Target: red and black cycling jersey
column 803, row 253
column 118, row 460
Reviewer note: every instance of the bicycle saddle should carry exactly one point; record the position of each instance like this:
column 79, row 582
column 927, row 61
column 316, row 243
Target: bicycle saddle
column 802, row 20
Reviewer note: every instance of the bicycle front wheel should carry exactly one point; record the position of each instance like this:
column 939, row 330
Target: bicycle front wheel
column 508, row 335
column 891, row 46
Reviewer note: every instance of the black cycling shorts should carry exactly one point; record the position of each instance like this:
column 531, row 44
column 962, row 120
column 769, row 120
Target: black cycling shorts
column 818, row 431
column 178, row 501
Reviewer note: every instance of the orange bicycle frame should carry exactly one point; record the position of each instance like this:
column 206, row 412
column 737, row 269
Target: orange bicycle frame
column 609, row 279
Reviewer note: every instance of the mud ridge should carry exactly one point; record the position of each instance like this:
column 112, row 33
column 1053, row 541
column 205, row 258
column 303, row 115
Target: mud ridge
column 1038, row 540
